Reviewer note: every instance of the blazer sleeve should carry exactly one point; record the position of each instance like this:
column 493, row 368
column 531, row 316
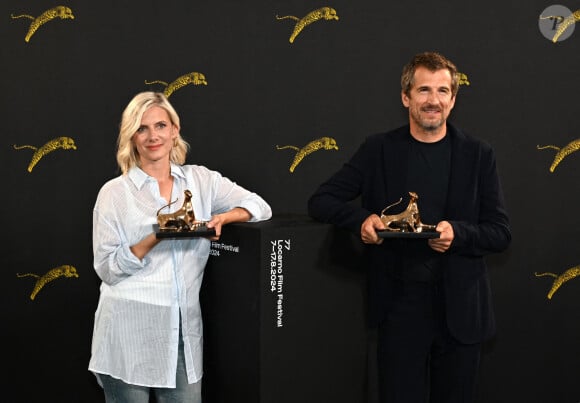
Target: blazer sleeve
column 485, row 228
column 333, row 201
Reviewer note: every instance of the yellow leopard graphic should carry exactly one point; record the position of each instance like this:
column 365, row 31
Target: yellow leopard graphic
column 323, row 13
column 60, row 271
column 61, row 12
column 66, row 143
column 560, row 279
column 570, row 148
column 565, row 24
column 463, row 80
column 325, row 143
column 194, row 78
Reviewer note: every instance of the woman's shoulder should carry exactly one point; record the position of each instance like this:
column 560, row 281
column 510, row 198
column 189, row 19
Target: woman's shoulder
column 111, row 190
column 197, row 170
column 112, row 184
column 190, row 170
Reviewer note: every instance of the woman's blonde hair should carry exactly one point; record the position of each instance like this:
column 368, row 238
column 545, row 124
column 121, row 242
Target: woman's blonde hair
column 127, row 155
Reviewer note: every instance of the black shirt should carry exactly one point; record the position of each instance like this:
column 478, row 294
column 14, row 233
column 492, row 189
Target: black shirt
column 428, row 168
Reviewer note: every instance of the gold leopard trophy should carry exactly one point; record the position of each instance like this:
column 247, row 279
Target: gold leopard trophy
column 407, row 221
column 180, row 220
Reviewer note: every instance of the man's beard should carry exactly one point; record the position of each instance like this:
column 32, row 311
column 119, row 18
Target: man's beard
column 432, row 126
column 429, row 126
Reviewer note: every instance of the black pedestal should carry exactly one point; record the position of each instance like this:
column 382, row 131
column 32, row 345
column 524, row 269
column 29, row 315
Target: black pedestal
column 284, row 313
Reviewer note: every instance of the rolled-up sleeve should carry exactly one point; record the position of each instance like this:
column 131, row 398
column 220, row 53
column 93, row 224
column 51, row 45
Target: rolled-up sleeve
column 228, row 195
column 112, row 257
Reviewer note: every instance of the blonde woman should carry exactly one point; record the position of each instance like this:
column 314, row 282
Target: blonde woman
column 148, row 334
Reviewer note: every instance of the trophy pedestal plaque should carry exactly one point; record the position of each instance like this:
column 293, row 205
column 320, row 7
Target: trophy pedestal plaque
column 200, row 231
column 408, row 235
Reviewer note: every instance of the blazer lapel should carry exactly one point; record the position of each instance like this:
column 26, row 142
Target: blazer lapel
column 461, row 175
column 396, row 154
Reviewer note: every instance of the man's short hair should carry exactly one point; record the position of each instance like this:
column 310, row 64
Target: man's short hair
column 432, row 61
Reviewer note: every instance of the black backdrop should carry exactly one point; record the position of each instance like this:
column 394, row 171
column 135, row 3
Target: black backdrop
column 338, row 79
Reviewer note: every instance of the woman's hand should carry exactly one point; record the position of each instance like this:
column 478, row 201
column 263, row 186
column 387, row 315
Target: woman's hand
column 217, row 221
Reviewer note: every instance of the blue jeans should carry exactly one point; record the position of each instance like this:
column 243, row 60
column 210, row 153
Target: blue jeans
column 117, row 391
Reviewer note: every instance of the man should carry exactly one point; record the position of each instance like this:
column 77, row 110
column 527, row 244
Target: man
column 429, row 299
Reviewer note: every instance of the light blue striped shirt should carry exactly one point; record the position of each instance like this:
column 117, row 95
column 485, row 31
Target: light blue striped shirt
column 136, row 328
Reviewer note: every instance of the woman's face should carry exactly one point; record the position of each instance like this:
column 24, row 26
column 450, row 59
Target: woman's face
column 154, row 137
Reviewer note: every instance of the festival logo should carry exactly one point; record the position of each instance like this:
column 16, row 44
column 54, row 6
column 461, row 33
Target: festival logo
column 58, row 272
column 65, row 143
column 323, row 13
column 557, row 22
column 61, row 12
column 323, row 143
column 562, row 153
column 560, row 279
column 193, row 78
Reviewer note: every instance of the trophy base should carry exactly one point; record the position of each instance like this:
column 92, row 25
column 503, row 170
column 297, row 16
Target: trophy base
column 200, row 231
column 408, row 235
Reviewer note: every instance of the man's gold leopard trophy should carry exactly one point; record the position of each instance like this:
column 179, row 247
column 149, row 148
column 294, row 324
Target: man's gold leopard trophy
column 408, row 220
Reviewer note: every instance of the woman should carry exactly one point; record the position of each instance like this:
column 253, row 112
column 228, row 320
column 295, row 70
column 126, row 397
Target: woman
column 148, row 335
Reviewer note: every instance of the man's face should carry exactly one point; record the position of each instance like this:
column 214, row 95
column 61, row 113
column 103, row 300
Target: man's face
column 430, row 100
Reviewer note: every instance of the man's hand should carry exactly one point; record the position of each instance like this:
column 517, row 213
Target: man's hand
column 446, row 236
column 369, row 228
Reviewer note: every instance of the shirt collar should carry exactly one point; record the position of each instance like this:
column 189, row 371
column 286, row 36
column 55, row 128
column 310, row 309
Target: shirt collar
column 139, row 177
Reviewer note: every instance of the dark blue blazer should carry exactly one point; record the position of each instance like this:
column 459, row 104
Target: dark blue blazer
column 475, row 208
